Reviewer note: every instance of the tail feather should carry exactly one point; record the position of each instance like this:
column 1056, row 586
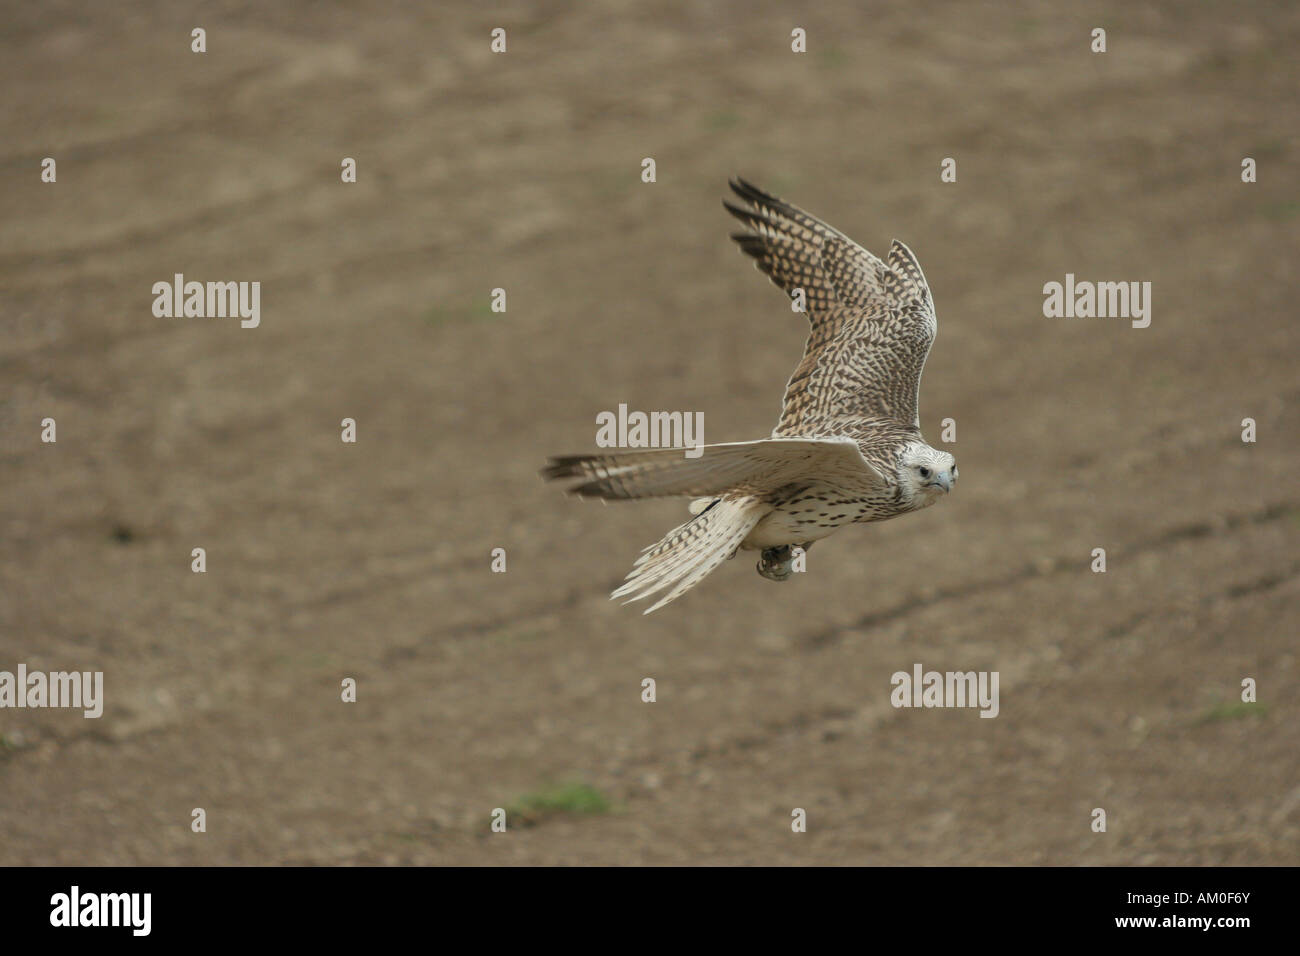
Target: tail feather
column 687, row 554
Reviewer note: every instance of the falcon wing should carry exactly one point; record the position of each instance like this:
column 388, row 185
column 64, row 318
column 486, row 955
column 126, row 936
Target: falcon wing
column 872, row 322
column 754, row 468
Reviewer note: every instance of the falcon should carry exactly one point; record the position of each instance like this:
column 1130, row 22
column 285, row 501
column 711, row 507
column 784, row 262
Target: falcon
column 848, row 447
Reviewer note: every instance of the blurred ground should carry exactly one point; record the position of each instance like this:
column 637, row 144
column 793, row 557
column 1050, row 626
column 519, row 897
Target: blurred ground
column 521, row 171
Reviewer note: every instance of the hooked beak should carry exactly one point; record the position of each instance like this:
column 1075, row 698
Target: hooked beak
column 943, row 481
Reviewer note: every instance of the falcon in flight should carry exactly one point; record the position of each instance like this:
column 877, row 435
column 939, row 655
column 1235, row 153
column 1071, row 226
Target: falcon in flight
column 848, row 447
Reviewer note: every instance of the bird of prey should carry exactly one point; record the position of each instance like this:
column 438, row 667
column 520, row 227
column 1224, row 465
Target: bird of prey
column 848, row 446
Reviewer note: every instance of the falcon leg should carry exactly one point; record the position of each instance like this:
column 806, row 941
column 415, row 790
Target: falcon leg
column 775, row 563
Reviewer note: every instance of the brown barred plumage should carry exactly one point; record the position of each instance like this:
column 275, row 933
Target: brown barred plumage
column 848, row 445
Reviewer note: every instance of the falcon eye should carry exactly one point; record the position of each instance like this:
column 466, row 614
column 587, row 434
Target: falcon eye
column 925, row 472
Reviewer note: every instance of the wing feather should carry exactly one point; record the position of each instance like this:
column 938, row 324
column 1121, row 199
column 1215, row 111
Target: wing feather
column 754, row 468
column 871, row 322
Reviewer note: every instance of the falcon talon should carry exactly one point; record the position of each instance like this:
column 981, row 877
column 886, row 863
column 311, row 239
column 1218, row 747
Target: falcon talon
column 848, row 446
column 776, row 564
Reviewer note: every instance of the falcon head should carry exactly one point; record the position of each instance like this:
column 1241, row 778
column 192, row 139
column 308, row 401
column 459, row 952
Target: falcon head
column 925, row 473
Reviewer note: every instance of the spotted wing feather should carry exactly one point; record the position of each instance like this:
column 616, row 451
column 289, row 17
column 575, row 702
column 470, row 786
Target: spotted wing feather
column 871, row 322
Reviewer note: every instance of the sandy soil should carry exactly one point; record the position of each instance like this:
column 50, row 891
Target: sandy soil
column 475, row 171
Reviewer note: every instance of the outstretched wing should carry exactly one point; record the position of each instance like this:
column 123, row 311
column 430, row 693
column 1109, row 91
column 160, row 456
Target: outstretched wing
column 872, row 322
column 753, row 468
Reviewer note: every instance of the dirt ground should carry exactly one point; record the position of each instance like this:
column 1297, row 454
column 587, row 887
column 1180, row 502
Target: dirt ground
column 521, row 171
